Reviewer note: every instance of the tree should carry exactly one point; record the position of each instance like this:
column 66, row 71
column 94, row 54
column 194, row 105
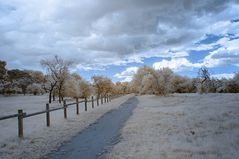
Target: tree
column 76, row 76
column 122, row 88
column 20, row 79
column 149, row 81
column 85, row 89
column 148, row 84
column 35, row 89
column 146, row 74
column 57, row 70
column 183, row 84
column 3, row 70
column 232, row 86
column 236, row 78
column 36, row 76
column 204, row 80
column 49, row 86
column 72, row 86
column 77, row 87
column 17, row 74
column 102, row 85
column 165, row 76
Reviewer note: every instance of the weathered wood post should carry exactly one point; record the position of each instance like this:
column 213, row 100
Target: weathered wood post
column 97, row 100
column 47, row 115
column 92, row 100
column 77, row 106
column 65, row 109
column 101, row 99
column 85, row 104
column 20, row 123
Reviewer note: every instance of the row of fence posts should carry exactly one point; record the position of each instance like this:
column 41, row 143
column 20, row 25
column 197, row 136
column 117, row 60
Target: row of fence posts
column 22, row 115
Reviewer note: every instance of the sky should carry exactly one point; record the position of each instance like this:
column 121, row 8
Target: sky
column 115, row 38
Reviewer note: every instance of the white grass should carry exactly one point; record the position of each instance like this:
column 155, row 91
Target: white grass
column 163, row 127
column 38, row 139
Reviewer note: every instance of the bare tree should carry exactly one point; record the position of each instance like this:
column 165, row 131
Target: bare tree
column 57, row 70
column 204, row 80
column 49, row 86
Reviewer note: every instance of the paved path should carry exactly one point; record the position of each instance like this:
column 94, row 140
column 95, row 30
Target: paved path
column 98, row 137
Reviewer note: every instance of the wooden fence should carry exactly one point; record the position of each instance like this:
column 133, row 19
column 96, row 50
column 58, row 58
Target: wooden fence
column 21, row 115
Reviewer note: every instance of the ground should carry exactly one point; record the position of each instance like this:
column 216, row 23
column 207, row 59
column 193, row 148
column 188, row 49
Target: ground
column 40, row 140
column 172, row 127
column 181, row 126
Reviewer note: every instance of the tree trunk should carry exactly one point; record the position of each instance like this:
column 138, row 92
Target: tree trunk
column 59, row 98
column 50, row 96
column 53, row 96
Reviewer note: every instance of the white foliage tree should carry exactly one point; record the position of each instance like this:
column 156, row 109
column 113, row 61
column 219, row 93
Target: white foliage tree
column 165, row 81
column 85, row 89
column 72, row 88
column 35, row 89
column 144, row 79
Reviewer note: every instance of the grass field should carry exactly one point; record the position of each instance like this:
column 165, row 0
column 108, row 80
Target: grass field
column 181, row 126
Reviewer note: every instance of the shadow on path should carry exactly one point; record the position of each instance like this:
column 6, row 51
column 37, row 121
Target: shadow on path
column 99, row 136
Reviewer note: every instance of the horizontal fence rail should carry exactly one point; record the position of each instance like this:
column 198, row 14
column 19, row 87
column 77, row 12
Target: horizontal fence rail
column 8, row 116
column 21, row 115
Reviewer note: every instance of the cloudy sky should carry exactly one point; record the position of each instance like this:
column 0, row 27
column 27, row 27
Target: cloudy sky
column 114, row 38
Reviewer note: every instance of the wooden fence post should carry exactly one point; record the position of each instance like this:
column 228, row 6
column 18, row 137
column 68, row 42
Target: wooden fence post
column 20, row 123
column 97, row 100
column 101, row 99
column 47, row 115
column 77, row 106
column 65, row 109
column 92, row 99
column 85, row 104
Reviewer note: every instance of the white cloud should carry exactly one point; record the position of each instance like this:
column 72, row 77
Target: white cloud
column 223, row 75
column 226, row 55
column 127, row 74
column 98, row 33
column 176, row 64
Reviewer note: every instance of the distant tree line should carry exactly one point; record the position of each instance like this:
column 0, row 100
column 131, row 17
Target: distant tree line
column 164, row 81
column 57, row 82
column 17, row 81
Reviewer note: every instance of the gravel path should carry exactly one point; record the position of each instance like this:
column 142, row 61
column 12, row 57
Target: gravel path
column 99, row 136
